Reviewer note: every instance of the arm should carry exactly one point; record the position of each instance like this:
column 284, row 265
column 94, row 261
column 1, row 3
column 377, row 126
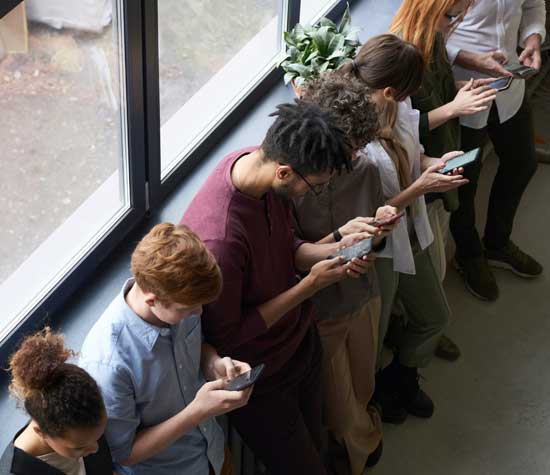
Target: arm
column 532, row 22
column 487, row 63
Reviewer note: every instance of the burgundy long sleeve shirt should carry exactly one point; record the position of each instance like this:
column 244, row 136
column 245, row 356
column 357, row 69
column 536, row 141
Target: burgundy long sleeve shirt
column 253, row 242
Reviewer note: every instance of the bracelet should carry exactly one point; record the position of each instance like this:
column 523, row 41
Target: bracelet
column 337, row 236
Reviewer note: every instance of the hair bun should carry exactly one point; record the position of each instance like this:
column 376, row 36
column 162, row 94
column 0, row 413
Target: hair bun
column 34, row 365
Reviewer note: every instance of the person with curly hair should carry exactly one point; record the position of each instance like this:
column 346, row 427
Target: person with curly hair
column 243, row 214
column 68, row 417
column 349, row 311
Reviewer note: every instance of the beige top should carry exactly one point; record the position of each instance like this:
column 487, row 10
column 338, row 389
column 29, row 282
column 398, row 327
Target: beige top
column 66, row 465
column 348, row 195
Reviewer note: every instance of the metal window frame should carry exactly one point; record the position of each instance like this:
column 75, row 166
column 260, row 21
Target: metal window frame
column 158, row 189
column 135, row 112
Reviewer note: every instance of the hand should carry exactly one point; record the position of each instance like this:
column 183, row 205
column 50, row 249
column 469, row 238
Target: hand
column 330, row 271
column 491, row 64
column 530, row 56
column 228, row 369
column 470, row 100
column 213, row 400
column 477, row 82
column 359, row 225
column 385, row 212
column 354, row 238
column 433, row 181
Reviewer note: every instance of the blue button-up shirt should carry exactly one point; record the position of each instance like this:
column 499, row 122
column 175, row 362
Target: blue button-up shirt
column 148, row 374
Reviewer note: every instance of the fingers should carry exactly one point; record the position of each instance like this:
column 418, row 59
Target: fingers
column 499, row 56
column 469, row 84
column 450, row 155
column 525, row 54
column 217, row 384
column 230, row 370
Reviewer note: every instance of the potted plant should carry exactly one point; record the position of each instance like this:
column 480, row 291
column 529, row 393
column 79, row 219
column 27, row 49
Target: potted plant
column 314, row 49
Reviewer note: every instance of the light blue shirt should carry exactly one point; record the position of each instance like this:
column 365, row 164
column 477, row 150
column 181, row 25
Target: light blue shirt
column 148, row 374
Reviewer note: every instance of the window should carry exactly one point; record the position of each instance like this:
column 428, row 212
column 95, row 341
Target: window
column 313, row 10
column 211, row 52
column 65, row 176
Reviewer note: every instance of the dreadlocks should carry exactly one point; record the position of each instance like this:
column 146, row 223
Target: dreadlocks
column 307, row 139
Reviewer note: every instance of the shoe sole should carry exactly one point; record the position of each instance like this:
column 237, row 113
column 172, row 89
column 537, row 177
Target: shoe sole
column 506, row 266
column 472, row 291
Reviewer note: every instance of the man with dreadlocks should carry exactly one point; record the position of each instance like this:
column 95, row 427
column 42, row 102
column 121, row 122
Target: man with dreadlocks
column 243, row 214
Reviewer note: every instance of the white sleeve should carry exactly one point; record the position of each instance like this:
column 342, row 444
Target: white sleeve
column 532, row 20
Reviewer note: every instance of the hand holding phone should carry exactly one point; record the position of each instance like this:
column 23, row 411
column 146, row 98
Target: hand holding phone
column 461, row 161
column 520, row 71
column 380, row 223
column 358, row 250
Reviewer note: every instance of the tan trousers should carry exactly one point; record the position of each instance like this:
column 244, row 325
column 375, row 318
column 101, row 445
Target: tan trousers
column 347, row 375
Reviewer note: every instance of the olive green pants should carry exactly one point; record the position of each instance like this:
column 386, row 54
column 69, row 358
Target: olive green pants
column 426, row 307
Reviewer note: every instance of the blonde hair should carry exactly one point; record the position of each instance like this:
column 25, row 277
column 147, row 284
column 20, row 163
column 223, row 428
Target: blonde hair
column 174, row 264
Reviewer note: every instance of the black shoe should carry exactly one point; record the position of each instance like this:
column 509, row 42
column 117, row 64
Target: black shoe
column 513, row 258
column 375, row 457
column 447, row 349
column 478, row 278
column 414, row 400
column 386, row 396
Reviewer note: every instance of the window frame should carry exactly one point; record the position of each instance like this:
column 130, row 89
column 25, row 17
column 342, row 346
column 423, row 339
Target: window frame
column 43, row 311
column 146, row 190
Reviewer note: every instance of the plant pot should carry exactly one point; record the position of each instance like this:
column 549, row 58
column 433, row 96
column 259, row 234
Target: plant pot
column 297, row 90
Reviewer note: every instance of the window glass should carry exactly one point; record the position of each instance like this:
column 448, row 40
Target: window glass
column 64, row 180
column 313, row 10
column 211, row 53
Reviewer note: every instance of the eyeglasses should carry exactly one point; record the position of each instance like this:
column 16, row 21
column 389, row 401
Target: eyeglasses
column 451, row 18
column 315, row 189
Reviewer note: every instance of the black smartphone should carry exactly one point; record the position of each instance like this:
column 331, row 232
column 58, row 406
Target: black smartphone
column 520, row 71
column 501, row 84
column 359, row 250
column 462, row 160
column 245, row 380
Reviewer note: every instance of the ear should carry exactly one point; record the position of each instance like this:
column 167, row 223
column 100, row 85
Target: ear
column 284, row 172
column 389, row 93
column 38, row 431
column 150, row 299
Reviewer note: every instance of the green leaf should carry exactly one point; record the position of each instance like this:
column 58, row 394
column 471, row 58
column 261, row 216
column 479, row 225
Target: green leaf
column 299, row 69
column 299, row 82
column 289, row 76
column 352, row 36
column 327, row 22
column 289, row 39
column 336, row 44
column 324, row 66
column 321, row 38
column 345, row 23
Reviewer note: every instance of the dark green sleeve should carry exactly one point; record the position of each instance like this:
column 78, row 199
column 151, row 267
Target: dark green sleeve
column 424, row 126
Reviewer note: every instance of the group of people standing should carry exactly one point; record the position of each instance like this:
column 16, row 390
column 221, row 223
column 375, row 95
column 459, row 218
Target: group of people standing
column 252, row 274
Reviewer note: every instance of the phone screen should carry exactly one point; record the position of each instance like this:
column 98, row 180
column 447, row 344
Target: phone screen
column 501, row 84
column 245, row 380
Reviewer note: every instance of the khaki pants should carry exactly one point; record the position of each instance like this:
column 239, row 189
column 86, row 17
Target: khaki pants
column 350, row 347
column 439, row 222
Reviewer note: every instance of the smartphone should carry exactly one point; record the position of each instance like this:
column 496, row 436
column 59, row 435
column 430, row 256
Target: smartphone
column 359, row 250
column 501, row 84
column 388, row 221
column 462, row 160
column 245, row 380
column 520, row 71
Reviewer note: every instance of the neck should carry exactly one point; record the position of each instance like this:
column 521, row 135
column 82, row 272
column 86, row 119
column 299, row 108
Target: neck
column 135, row 298
column 31, row 442
column 252, row 175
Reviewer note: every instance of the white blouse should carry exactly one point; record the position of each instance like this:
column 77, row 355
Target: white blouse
column 493, row 25
column 398, row 245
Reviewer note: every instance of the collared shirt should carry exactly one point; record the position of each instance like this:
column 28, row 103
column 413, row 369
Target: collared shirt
column 398, row 245
column 148, row 374
column 492, row 25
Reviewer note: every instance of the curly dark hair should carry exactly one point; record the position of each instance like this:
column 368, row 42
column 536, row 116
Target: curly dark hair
column 307, row 138
column 56, row 394
column 348, row 99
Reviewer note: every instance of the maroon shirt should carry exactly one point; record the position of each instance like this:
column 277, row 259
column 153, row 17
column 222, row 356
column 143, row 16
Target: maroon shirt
column 253, row 242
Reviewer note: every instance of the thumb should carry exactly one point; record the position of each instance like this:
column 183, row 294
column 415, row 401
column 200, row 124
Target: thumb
column 214, row 385
column 469, row 84
column 450, row 155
